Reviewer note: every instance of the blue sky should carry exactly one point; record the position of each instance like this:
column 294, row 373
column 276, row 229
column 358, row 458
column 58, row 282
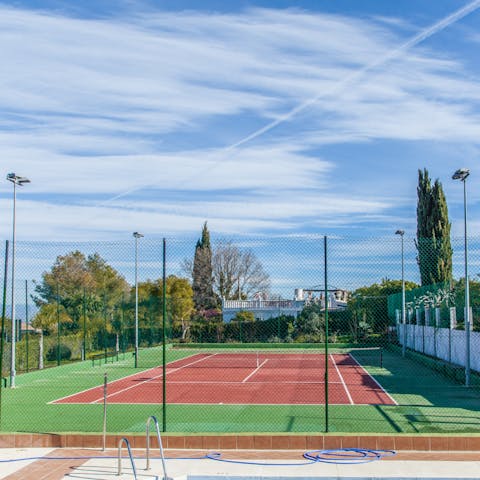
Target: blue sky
column 262, row 117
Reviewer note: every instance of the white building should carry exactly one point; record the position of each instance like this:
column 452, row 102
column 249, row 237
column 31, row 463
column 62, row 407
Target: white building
column 265, row 309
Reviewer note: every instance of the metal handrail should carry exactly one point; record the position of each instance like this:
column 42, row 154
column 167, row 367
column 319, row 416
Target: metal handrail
column 160, row 445
column 127, row 443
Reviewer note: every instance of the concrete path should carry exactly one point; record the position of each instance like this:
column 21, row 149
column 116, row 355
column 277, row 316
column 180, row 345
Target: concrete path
column 91, row 464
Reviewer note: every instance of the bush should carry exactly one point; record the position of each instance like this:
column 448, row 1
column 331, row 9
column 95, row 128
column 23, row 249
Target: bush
column 275, row 339
column 310, row 338
column 65, row 353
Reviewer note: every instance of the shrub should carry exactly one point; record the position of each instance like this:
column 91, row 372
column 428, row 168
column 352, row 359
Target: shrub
column 65, row 352
column 275, row 339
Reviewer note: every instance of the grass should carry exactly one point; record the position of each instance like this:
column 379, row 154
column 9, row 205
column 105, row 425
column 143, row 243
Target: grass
column 429, row 401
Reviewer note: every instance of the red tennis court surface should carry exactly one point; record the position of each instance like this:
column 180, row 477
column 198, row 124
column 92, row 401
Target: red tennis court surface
column 246, row 378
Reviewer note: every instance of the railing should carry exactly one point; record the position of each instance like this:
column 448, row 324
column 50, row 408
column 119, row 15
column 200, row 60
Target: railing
column 160, row 445
column 127, row 443
column 246, row 304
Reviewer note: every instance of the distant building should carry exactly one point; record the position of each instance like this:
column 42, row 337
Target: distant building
column 27, row 327
column 264, row 309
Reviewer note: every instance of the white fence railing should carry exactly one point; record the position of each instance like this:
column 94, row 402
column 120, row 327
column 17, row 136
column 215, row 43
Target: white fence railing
column 444, row 343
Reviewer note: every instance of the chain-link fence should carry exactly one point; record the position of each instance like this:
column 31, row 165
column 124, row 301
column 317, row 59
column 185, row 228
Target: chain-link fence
column 283, row 334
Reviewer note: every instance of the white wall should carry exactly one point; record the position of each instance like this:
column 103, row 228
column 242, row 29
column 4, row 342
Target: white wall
column 443, row 343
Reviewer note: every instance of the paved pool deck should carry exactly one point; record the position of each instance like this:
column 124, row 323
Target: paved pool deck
column 95, row 464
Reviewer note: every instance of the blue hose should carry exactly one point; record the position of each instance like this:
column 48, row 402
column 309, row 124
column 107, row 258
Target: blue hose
column 338, row 456
column 217, row 457
column 348, row 455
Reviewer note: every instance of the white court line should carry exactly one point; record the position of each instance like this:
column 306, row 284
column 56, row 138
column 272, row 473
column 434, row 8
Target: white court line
column 156, row 376
column 207, row 382
column 375, row 380
column 53, row 402
column 143, row 372
column 342, row 380
column 255, row 371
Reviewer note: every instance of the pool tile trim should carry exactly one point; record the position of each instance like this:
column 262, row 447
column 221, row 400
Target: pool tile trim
column 250, row 441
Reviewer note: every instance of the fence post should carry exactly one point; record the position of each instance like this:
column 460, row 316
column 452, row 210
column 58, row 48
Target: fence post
column 26, row 322
column 105, row 326
column 104, row 438
column 326, row 332
column 58, row 326
column 164, row 314
column 5, row 274
column 84, row 313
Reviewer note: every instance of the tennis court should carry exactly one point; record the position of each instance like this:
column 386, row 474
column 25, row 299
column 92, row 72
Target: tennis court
column 207, row 390
column 251, row 378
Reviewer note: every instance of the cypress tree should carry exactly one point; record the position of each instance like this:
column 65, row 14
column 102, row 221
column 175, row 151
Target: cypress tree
column 433, row 232
column 203, row 296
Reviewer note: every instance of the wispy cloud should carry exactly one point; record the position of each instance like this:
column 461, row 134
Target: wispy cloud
column 131, row 120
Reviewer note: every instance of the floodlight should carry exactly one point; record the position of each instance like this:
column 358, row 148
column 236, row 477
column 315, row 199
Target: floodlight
column 461, row 174
column 17, row 179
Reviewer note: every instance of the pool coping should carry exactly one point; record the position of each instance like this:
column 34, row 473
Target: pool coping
column 247, row 441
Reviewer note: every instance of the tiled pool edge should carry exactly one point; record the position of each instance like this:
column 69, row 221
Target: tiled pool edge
column 249, row 442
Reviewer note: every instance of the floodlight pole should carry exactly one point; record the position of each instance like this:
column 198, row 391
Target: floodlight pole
column 16, row 180
column 462, row 175
column 136, row 235
column 404, row 322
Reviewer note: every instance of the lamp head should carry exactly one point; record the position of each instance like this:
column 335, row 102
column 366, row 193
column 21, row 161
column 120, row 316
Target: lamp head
column 400, row 232
column 138, row 235
column 17, row 179
column 461, row 174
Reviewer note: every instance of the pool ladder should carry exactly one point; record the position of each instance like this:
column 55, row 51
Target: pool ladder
column 132, row 461
column 150, row 419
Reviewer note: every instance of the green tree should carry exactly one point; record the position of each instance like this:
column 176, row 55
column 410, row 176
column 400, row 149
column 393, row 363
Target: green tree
column 433, row 232
column 149, row 305
column 75, row 281
column 48, row 317
column 202, row 274
column 180, row 303
column 311, row 322
column 244, row 316
column 369, row 306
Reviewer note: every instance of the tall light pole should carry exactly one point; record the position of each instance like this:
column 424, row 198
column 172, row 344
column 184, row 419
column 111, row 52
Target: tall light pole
column 462, row 175
column 404, row 323
column 16, row 180
column 136, row 235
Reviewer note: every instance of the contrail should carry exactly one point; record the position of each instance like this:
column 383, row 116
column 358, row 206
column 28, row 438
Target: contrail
column 393, row 54
column 389, row 56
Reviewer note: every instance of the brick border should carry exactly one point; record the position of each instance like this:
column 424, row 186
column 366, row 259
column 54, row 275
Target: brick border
column 249, row 442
